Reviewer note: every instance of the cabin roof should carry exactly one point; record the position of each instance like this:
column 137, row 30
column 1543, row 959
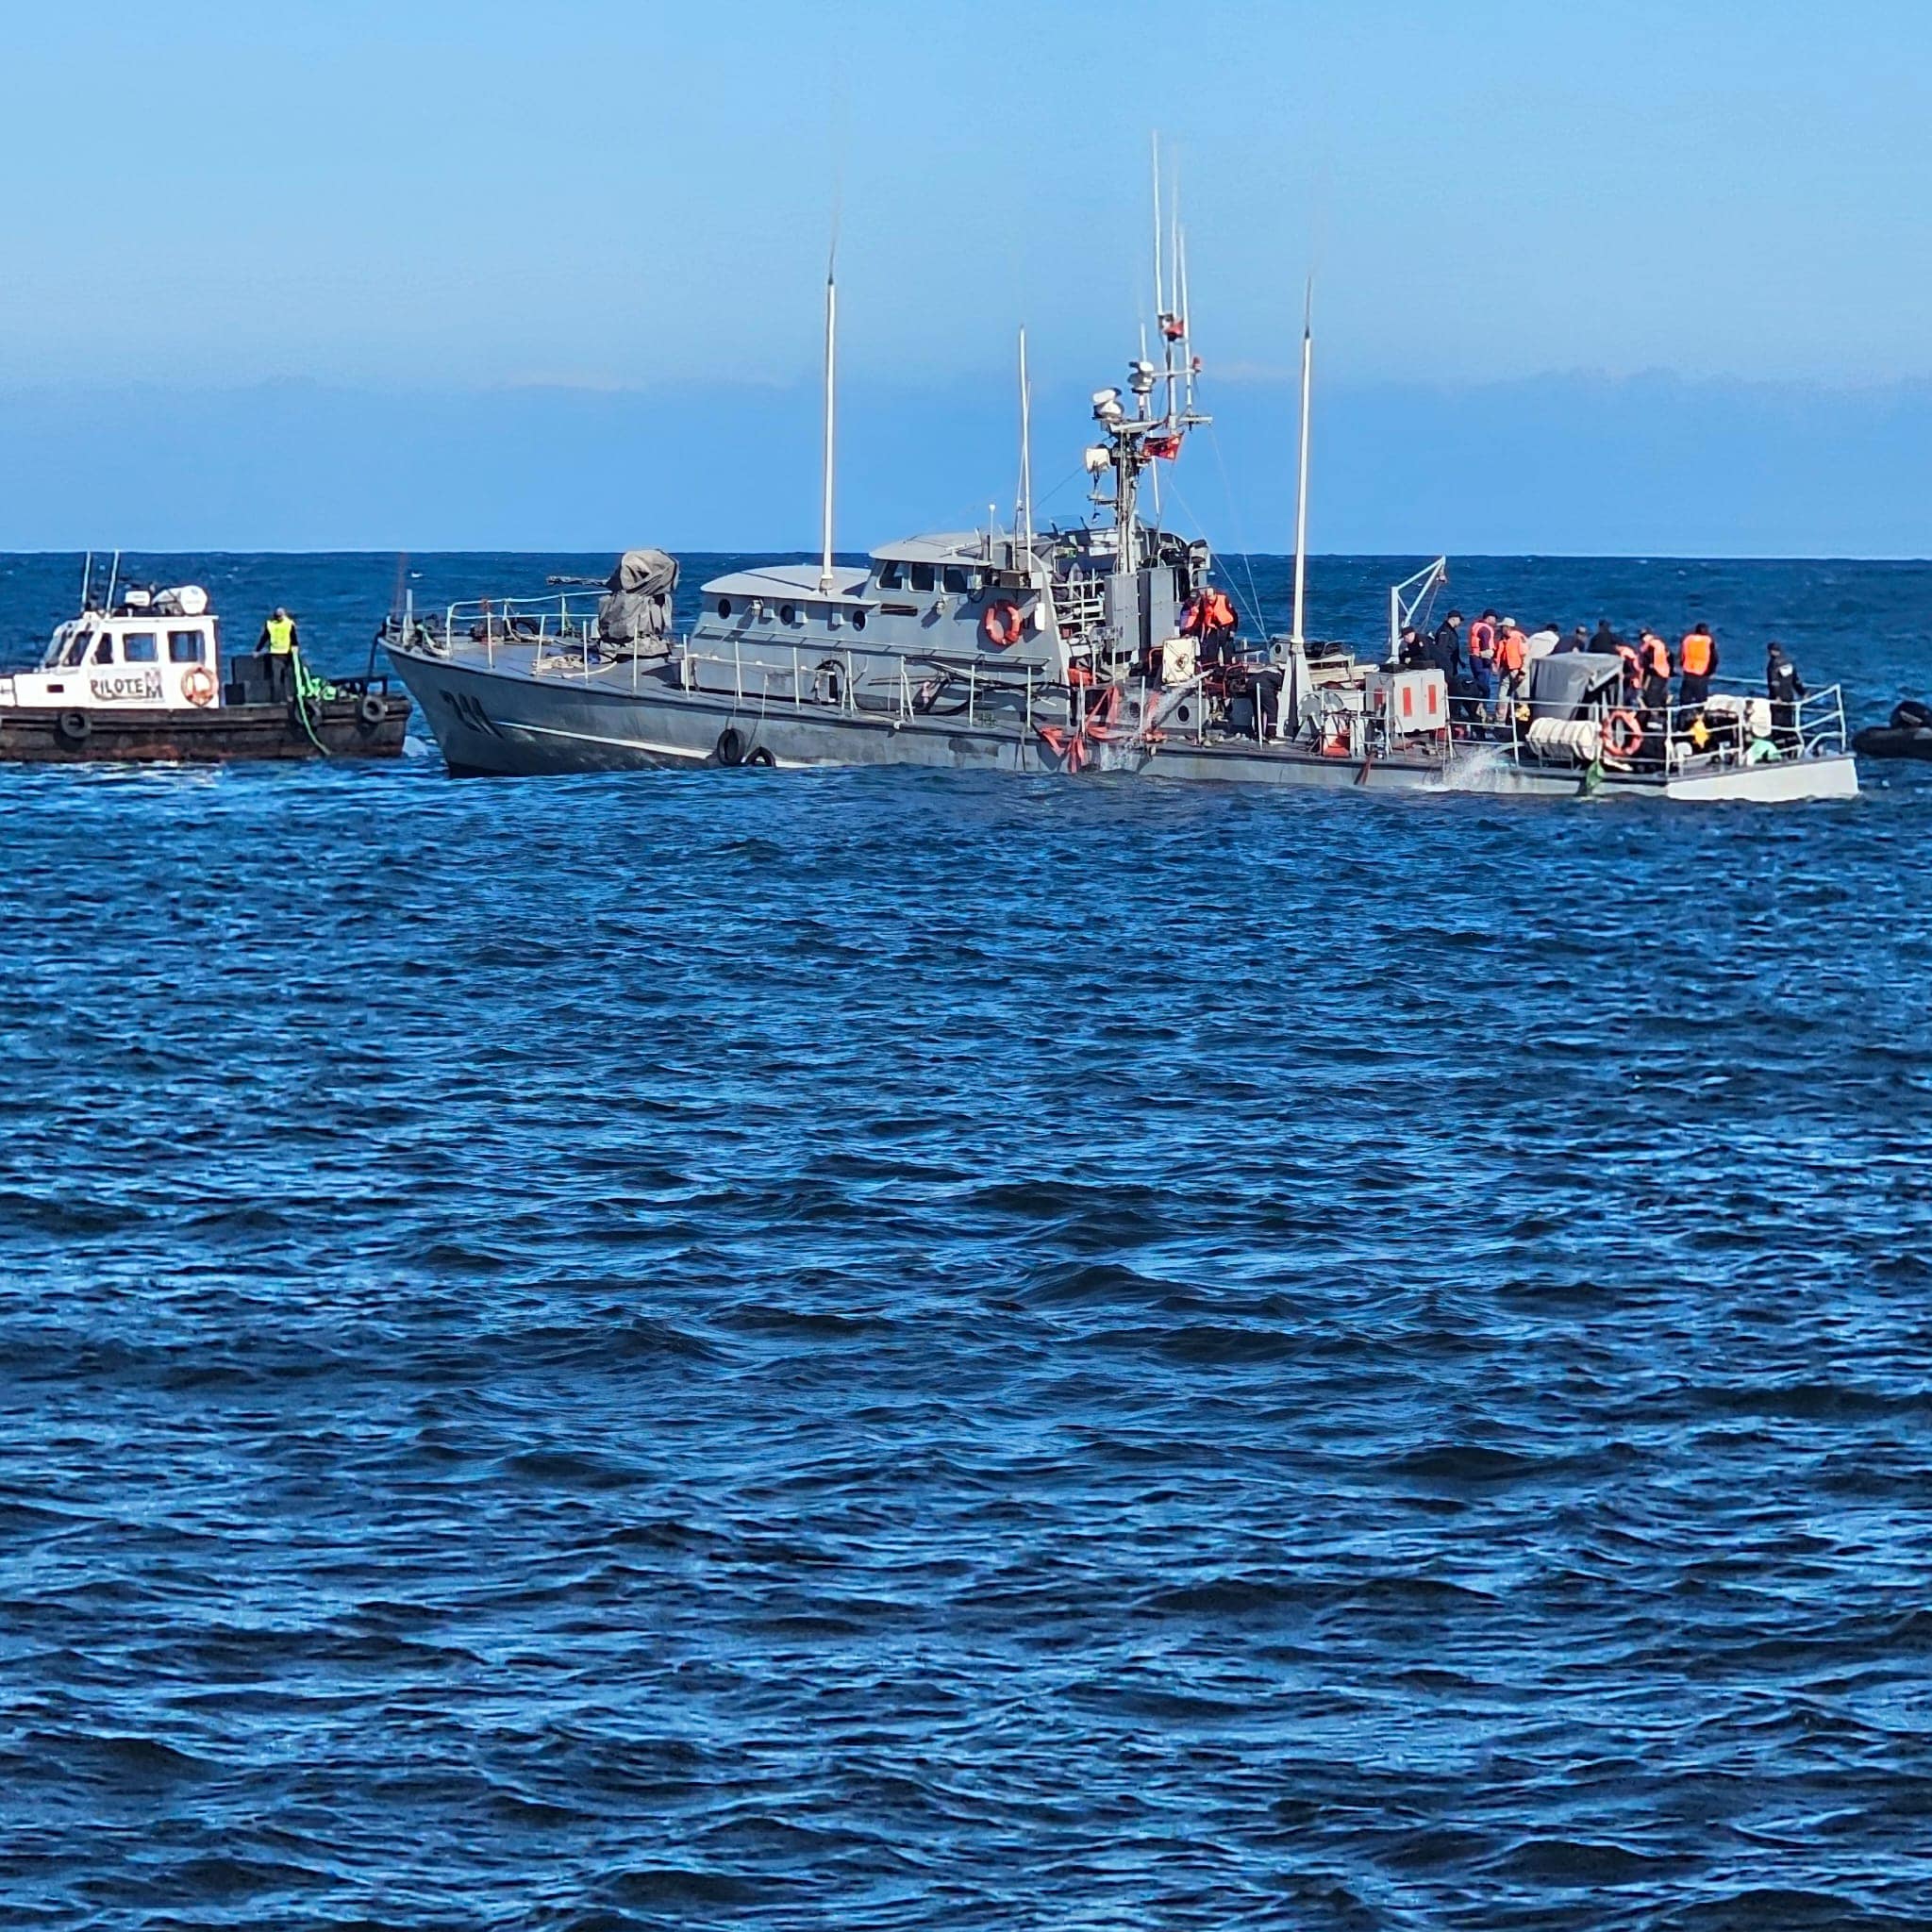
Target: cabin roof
column 788, row 580
column 950, row 546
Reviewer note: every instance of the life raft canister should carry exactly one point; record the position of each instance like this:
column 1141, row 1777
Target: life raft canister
column 1002, row 624
column 1622, row 735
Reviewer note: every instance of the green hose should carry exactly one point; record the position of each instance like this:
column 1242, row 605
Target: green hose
column 309, row 691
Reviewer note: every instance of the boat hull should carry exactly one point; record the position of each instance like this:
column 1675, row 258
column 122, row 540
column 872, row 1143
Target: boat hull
column 221, row 735
column 504, row 721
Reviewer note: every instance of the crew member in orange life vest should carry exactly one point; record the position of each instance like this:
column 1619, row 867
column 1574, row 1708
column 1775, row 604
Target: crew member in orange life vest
column 1210, row 617
column 1512, row 654
column 1482, row 660
column 1697, row 661
column 1627, row 656
column 1654, row 662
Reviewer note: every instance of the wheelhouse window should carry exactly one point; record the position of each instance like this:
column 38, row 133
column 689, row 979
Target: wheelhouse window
column 186, row 647
column 892, row 576
column 76, row 651
column 921, row 576
column 103, row 651
column 138, row 648
column 954, row 580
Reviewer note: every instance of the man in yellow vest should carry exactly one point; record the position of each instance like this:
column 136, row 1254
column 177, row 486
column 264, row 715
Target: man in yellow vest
column 278, row 635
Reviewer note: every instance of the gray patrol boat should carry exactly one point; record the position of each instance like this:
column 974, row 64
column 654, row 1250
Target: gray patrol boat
column 1062, row 650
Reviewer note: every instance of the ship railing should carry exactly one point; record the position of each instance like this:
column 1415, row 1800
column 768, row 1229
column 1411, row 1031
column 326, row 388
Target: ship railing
column 873, row 684
column 1736, row 724
column 561, row 619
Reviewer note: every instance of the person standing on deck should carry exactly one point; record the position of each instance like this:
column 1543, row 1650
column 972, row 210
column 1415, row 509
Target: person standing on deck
column 1627, row 655
column 1512, row 662
column 1605, row 640
column 1785, row 689
column 1211, row 616
column 1446, row 652
column 1697, row 662
column 1482, row 662
column 1578, row 640
column 1654, row 663
column 278, row 636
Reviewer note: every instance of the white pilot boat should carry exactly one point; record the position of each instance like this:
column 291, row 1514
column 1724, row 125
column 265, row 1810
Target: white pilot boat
column 140, row 676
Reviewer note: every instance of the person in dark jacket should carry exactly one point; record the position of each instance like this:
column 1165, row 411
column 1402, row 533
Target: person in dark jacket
column 1447, row 654
column 1578, row 640
column 1785, row 688
column 1606, row 641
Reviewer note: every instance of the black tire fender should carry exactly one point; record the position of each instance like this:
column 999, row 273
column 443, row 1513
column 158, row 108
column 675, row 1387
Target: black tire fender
column 760, row 757
column 373, row 709
column 75, row 725
column 730, row 747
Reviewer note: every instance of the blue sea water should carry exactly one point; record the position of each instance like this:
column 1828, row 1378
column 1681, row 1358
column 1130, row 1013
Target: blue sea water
column 884, row 1351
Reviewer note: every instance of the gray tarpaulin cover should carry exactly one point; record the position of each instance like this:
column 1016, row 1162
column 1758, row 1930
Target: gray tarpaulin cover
column 1563, row 682
column 638, row 609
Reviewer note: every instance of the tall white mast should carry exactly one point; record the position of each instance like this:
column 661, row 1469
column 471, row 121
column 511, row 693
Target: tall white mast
column 1187, row 311
column 1023, row 514
column 1301, row 493
column 1159, row 288
column 831, row 411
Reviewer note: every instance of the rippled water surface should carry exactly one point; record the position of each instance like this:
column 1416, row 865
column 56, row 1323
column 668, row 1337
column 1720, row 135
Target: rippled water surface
column 882, row 1351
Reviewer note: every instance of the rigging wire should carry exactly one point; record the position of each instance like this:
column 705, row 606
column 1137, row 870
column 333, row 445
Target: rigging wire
column 1234, row 517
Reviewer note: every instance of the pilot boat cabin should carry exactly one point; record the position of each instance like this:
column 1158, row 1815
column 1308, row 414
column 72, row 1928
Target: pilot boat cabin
column 159, row 649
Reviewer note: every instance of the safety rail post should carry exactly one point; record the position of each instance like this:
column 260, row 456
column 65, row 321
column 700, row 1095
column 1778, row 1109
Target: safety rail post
column 972, row 688
column 851, row 689
column 798, row 702
column 1029, row 700
column 736, row 671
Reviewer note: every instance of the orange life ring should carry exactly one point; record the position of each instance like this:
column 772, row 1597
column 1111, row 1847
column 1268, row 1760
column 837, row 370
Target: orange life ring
column 198, row 685
column 1622, row 735
column 1002, row 624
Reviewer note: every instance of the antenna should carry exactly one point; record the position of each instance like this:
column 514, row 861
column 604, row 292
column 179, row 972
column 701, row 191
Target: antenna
column 113, row 578
column 1022, row 516
column 1301, row 493
column 1186, row 315
column 1160, row 284
column 831, row 406
column 86, row 579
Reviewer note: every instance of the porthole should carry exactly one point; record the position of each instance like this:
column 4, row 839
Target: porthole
column 858, row 620
column 724, row 607
column 1185, row 714
column 788, row 614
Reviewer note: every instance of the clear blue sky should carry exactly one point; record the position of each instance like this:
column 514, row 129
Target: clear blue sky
column 424, row 201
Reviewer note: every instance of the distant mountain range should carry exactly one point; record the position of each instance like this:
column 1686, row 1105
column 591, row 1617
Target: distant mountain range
column 1554, row 464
